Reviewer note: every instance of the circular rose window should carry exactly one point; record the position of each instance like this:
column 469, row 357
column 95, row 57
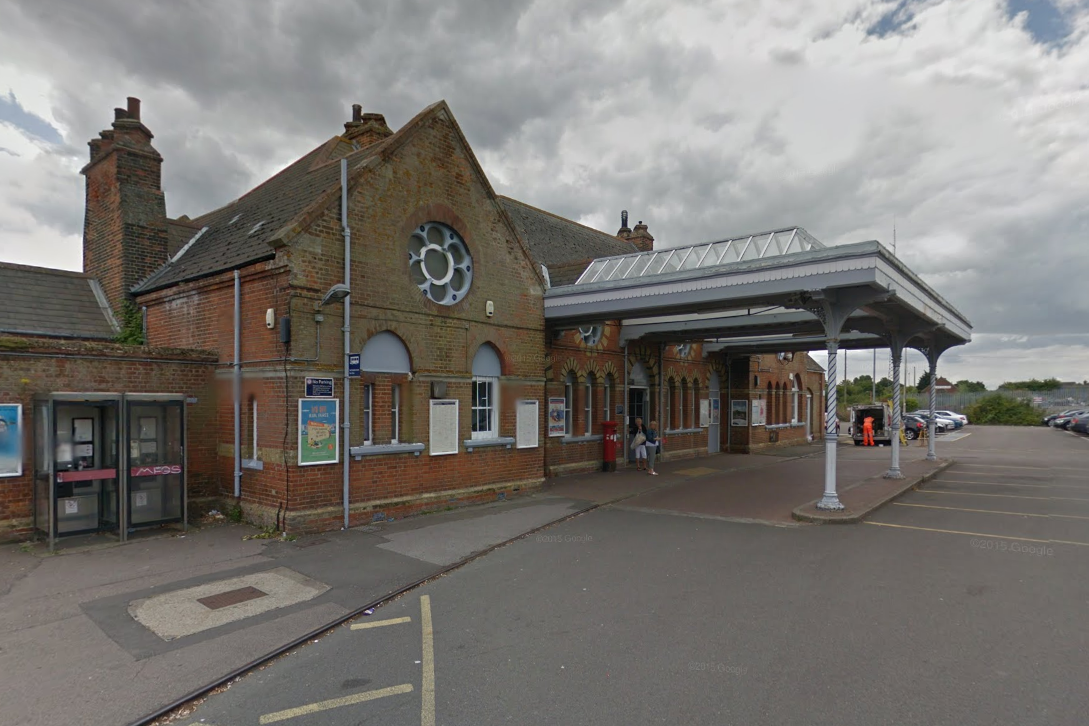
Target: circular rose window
column 683, row 350
column 591, row 336
column 439, row 263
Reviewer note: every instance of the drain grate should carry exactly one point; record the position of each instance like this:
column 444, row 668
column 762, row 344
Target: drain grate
column 231, row 597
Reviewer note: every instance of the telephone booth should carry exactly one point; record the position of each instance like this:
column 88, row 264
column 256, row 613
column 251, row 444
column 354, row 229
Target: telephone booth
column 107, row 463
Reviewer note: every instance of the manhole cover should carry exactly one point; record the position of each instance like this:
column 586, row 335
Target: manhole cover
column 231, row 597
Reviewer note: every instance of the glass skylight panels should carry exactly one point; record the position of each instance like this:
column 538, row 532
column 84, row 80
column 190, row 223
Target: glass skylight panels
column 655, row 265
column 592, row 270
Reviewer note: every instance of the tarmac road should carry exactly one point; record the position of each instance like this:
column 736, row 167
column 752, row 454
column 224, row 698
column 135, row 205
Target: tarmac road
column 921, row 615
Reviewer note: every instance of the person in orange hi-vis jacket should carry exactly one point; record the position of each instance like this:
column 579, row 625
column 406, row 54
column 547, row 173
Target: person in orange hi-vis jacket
column 867, row 431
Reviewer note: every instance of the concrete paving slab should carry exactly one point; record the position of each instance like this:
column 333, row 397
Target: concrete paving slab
column 192, row 610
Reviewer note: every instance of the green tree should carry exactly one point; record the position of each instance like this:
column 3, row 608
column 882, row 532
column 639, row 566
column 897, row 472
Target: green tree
column 1033, row 384
column 966, row 386
column 999, row 410
column 923, row 382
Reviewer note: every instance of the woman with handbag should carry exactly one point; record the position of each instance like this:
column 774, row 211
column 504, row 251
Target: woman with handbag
column 639, row 444
column 652, row 446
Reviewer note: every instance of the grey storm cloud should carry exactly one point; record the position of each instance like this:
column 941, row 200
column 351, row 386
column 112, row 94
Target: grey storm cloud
column 703, row 119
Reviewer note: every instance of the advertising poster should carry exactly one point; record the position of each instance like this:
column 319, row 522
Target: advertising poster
column 11, row 439
column 444, row 426
column 759, row 412
column 705, row 412
column 739, row 413
column 715, row 417
column 556, row 421
column 319, row 432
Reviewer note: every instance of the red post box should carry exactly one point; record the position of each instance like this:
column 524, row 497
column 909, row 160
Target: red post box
column 608, row 439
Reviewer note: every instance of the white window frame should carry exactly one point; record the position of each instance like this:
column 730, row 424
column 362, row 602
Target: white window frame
column 794, row 398
column 395, row 413
column 569, row 405
column 368, row 414
column 588, row 405
column 607, row 396
column 491, row 405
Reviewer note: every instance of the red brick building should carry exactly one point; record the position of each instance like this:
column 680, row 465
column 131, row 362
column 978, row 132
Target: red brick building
column 457, row 369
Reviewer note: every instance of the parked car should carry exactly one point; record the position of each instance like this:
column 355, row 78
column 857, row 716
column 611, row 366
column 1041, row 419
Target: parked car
column 955, row 416
column 914, row 426
column 946, row 423
column 1080, row 423
column 1052, row 417
column 1063, row 422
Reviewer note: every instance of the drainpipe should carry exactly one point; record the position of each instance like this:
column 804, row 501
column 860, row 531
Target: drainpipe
column 237, row 385
column 347, row 321
column 729, row 400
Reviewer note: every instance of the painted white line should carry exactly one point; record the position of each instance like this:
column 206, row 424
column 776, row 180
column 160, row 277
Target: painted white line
column 1010, row 484
column 380, row 623
column 979, row 534
column 988, row 511
column 427, row 715
column 335, row 703
column 1007, row 496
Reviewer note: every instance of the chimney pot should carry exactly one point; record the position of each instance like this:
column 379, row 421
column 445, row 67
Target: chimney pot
column 357, row 112
column 624, row 218
column 120, row 114
column 134, row 108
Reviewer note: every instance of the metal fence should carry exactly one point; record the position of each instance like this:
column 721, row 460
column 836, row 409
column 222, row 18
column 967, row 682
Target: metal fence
column 1060, row 399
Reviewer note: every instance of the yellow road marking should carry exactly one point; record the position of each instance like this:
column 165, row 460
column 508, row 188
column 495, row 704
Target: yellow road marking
column 1008, row 496
column 380, row 623
column 988, row 511
column 335, row 703
column 978, row 534
column 427, row 716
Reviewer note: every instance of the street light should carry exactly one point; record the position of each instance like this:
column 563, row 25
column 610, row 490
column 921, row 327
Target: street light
column 336, row 294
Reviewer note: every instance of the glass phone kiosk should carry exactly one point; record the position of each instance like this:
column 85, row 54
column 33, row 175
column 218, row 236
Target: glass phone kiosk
column 107, row 463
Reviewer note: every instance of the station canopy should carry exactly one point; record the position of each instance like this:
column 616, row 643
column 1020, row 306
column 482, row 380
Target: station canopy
column 763, row 292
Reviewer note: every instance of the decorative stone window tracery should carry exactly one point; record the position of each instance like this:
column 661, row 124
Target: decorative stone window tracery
column 439, row 263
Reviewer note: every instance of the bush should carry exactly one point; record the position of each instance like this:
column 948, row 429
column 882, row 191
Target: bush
column 999, row 410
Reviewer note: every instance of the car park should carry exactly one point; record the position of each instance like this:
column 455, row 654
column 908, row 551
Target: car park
column 955, row 416
column 914, row 426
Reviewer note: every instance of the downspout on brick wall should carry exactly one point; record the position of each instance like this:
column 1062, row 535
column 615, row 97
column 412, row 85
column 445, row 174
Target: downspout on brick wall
column 347, row 323
column 237, row 394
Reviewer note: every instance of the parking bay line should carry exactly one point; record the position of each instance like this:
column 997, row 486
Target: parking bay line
column 380, row 623
column 987, row 511
column 335, row 703
column 1007, row 496
column 427, row 714
column 978, row 534
column 1009, row 484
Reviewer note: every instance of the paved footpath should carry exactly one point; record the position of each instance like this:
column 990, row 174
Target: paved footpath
column 108, row 635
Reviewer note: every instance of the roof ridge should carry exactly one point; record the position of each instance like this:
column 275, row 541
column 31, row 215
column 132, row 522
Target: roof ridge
column 569, row 221
column 50, row 270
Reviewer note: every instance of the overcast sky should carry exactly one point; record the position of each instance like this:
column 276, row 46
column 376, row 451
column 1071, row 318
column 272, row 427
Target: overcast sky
column 965, row 121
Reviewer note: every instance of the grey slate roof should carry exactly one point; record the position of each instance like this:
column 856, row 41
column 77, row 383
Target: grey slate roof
column 560, row 244
column 41, row 301
column 237, row 234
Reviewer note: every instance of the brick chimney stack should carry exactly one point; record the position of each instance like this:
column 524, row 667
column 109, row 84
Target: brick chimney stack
column 366, row 128
column 124, row 225
column 624, row 232
column 641, row 237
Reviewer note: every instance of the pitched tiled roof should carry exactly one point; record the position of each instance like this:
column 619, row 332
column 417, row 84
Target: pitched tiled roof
column 179, row 231
column 41, row 301
column 560, row 244
column 812, row 365
column 238, row 234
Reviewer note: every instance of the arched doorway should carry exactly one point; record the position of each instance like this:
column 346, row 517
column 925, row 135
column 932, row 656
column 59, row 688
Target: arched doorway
column 638, row 399
column 714, row 404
